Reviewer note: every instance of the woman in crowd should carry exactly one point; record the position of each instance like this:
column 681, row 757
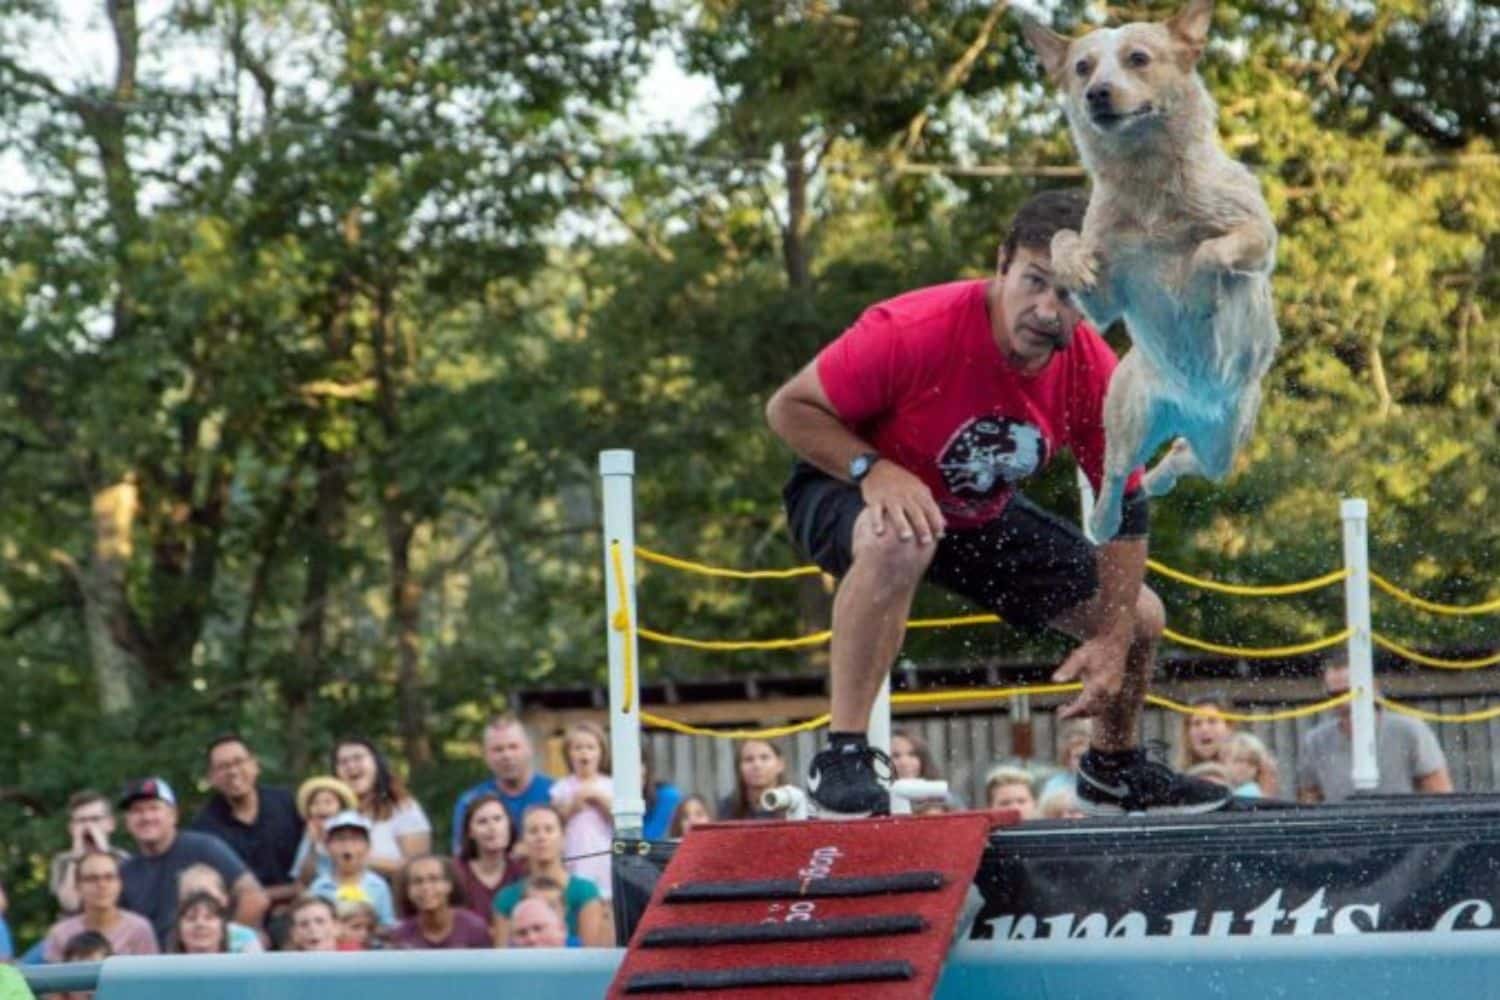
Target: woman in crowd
column 432, row 905
column 911, row 757
column 398, row 827
column 759, row 767
column 1205, row 732
column 201, row 878
column 1252, row 767
column 662, row 799
column 585, row 800
column 692, row 811
column 484, row 865
column 98, row 880
column 542, row 836
column 202, row 926
column 319, row 799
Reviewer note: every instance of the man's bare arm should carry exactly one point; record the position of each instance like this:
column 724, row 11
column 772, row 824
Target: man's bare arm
column 1437, row 782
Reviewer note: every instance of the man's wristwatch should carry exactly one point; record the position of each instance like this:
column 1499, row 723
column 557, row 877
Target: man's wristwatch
column 860, row 465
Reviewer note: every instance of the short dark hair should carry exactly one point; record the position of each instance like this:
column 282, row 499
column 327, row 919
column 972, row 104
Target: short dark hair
column 86, row 797
column 220, row 740
column 1039, row 218
column 307, row 899
column 456, row 895
column 86, row 944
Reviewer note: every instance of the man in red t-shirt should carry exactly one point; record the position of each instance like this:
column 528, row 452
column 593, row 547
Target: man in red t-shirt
column 915, row 429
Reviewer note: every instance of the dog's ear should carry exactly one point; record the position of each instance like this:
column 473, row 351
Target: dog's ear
column 1050, row 47
column 1190, row 25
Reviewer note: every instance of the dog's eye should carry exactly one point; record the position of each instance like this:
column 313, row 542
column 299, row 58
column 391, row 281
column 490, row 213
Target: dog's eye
column 1082, row 67
column 1138, row 60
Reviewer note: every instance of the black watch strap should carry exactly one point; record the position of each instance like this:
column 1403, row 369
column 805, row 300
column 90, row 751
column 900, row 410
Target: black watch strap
column 861, row 464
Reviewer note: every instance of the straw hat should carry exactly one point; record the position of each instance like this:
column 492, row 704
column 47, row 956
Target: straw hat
column 325, row 783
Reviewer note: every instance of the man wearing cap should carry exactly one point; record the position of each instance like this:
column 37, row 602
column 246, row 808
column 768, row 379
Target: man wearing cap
column 258, row 822
column 163, row 851
column 352, row 878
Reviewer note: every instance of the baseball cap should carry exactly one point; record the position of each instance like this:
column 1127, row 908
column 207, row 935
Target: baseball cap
column 147, row 788
column 348, row 819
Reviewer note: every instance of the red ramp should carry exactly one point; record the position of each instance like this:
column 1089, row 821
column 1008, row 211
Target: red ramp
column 832, row 910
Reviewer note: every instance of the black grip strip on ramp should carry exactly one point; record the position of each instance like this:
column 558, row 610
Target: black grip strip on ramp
column 687, row 981
column 797, row 888
column 802, row 930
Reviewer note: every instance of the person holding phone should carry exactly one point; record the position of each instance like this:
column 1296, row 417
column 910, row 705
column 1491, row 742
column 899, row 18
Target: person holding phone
column 91, row 821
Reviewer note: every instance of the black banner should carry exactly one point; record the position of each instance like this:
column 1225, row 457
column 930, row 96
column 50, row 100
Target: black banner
column 1388, row 864
column 1391, row 864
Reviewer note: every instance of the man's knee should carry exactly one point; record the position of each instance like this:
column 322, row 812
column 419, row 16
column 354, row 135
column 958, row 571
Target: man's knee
column 1150, row 617
column 896, row 562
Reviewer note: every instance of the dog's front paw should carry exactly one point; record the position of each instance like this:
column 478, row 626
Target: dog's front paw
column 1075, row 266
column 1210, row 258
column 1104, row 521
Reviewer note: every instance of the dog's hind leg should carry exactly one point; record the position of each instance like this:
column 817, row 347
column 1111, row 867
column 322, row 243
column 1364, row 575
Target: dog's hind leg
column 1179, row 462
column 1132, row 430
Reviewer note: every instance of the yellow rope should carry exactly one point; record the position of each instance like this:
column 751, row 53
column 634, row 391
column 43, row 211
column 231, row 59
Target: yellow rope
column 734, row 734
column 1481, row 715
column 1246, row 590
column 703, row 569
column 996, row 694
column 735, row 645
column 1286, row 713
column 621, row 622
column 1433, row 661
column 1488, row 607
column 1258, row 653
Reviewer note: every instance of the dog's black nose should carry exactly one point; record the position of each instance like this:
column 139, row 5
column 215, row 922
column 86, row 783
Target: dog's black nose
column 1098, row 95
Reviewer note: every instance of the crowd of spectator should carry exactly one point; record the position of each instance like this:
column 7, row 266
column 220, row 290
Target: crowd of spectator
column 346, row 862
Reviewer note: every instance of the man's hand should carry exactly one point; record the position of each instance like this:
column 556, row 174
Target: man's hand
column 1100, row 664
column 901, row 499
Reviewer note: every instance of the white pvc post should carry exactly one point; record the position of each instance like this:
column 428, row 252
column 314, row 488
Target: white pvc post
column 617, row 470
column 1365, row 766
column 880, row 718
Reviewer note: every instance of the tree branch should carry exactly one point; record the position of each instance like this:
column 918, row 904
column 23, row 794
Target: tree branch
column 951, row 81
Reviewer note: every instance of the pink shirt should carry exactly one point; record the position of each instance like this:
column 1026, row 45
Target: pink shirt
column 132, row 935
column 921, row 378
column 589, row 832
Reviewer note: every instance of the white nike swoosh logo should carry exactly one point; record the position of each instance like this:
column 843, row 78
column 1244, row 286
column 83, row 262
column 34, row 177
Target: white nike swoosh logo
column 1119, row 791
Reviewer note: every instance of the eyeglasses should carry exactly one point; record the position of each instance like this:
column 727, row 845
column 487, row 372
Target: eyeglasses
column 230, row 765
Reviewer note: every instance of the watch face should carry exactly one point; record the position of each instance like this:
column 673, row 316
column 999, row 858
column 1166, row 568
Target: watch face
column 859, row 467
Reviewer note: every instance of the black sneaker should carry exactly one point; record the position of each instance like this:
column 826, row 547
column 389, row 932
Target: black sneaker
column 843, row 781
column 1142, row 785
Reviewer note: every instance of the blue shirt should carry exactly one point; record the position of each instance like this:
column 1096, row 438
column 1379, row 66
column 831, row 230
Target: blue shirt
column 374, row 887
column 538, row 792
column 659, row 816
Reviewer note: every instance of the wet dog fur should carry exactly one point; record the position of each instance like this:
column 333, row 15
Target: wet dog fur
column 1177, row 241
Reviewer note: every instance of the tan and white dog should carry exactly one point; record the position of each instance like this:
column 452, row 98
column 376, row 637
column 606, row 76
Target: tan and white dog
column 1177, row 240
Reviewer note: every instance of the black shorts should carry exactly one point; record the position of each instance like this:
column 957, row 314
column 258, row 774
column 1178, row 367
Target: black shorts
column 1027, row 565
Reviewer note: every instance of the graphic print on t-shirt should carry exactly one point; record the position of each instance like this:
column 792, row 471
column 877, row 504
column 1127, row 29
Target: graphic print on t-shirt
column 988, row 455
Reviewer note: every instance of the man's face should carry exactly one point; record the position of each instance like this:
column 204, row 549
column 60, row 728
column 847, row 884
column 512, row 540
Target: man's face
column 537, row 926
column 153, row 824
column 92, row 822
column 314, row 929
column 233, row 770
column 99, row 881
column 507, row 751
column 348, row 848
column 1039, row 316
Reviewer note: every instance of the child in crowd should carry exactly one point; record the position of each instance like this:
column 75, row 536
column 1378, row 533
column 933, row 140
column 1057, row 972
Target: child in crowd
column 584, row 799
column 1060, row 803
column 433, row 904
column 1205, row 732
column 1073, row 738
column 359, row 927
column 315, row 924
column 88, row 946
column 1011, row 788
column 319, row 799
column 348, row 839
column 759, row 767
column 202, row 878
column 692, row 811
column 1252, row 766
column 202, row 926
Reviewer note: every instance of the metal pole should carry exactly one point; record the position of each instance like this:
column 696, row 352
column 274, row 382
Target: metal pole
column 1365, row 766
column 617, row 470
column 880, row 718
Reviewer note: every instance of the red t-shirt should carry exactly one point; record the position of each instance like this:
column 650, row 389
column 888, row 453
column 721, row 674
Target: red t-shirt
column 921, row 378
